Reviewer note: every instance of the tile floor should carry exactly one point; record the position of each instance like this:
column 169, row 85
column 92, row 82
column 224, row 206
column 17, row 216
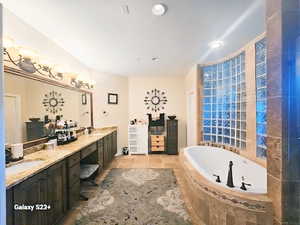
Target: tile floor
column 142, row 161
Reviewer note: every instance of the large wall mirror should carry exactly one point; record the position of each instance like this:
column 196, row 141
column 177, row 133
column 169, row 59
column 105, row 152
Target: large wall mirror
column 30, row 102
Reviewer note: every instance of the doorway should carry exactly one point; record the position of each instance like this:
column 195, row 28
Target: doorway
column 191, row 119
column 12, row 113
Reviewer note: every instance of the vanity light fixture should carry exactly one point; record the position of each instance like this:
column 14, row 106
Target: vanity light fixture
column 80, row 81
column 216, row 44
column 159, row 9
column 29, row 61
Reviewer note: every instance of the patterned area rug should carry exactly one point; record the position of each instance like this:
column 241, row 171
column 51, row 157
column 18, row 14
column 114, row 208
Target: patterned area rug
column 136, row 197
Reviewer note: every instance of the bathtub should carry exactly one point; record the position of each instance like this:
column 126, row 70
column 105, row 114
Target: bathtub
column 210, row 161
column 215, row 203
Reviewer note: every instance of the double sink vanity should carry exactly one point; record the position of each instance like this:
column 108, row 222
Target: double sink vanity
column 42, row 111
column 42, row 187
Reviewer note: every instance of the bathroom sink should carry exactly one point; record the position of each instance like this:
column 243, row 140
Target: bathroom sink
column 22, row 166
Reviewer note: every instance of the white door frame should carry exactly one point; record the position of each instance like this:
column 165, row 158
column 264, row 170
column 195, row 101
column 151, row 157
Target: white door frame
column 191, row 139
column 19, row 115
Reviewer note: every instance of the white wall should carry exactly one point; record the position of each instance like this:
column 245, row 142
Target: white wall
column 174, row 87
column 25, row 35
column 117, row 115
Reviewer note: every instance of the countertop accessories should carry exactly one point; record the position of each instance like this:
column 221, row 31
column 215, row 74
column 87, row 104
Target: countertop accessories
column 155, row 100
column 17, row 151
column 173, row 117
column 7, row 156
column 158, row 122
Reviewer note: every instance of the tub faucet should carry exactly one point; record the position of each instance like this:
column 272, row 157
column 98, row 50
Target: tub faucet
column 229, row 177
column 243, row 187
column 218, row 180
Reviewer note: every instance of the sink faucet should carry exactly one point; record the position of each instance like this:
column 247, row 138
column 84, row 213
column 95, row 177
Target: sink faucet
column 229, row 177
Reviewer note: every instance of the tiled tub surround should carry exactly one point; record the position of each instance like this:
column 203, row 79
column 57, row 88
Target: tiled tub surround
column 210, row 161
column 217, row 205
column 51, row 157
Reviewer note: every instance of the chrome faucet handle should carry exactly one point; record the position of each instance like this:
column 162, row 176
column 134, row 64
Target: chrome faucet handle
column 218, row 180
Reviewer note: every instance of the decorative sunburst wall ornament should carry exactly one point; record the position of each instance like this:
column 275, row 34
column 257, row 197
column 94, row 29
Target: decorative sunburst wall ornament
column 53, row 102
column 155, row 100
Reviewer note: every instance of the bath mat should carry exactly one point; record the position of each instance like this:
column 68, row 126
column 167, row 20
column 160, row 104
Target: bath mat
column 135, row 197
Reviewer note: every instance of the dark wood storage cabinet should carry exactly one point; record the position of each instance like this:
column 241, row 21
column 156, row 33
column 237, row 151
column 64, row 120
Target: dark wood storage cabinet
column 57, row 186
column 172, row 137
column 47, row 187
column 57, row 192
column 101, row 153
column 9, row 207
column 106, row 151
column 115, row 142
column 30, row 192
column 73, row 181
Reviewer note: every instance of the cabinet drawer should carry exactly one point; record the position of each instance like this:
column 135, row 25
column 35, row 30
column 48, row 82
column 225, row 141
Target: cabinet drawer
column 157, row 137
column 157, row 148
column 74, row 195
column 74, row 174
column 73, row 159
column 159, row 142
column 88, row 150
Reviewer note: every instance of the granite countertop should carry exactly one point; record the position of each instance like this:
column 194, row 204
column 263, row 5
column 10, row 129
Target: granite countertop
column 51, row 157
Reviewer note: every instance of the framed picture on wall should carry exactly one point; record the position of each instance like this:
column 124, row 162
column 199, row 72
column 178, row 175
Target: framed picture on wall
column 112, row 98
column 83, row 99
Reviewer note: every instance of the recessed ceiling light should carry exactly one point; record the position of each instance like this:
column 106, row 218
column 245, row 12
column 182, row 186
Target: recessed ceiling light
column 216, row 44
column 159, row 9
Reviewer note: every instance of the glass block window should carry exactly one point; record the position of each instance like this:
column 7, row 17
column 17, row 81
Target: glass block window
column 261, row 98
column 224, row 102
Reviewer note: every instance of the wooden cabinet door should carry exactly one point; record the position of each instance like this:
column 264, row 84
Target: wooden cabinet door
column 57, row 192
column 115, row 143
column 101, row 153
column 172, row 137
column 110, row 136
column 106, row 151
column 31, row 192
column 9, row 207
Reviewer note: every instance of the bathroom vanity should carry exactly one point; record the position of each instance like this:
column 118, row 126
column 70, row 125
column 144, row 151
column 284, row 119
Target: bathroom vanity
column 45, row 184
column 53, row 186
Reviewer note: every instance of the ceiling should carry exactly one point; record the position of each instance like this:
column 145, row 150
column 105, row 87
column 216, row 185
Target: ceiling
column 103, row 37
